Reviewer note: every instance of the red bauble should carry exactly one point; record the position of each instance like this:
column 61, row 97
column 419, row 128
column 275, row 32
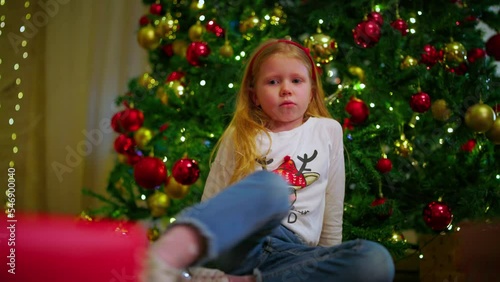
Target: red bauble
column 196, row 50
column 376, row 17
column 127, row 120
column 144, row 20
column 366, row 34
column 186, row 171
column 124, row 144
column 150, row 172
column 175, row 75
column 420, row 102
column 431, row 56
column 384, row 165
column 357, row 109
column 469, row 145
column 496, row 109
column 131, row 120
column 493, row 47
column 155, row 9
column 401, row 26
column 437, row 215
column 213, row 27
column 164, row 127
column 347, row 124
column 168, row 49
column 115, row 124
column 475, row 54
column 133, row 158
column 380, row 201
column 460, row 69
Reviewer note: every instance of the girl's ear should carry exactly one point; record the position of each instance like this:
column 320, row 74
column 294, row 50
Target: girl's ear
column 253, row 96
column 313, row 93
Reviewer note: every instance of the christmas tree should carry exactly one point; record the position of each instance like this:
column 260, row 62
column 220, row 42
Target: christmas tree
column 412, row 83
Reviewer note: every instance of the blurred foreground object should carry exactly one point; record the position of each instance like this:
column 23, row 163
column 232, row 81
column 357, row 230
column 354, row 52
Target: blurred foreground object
column 55, row 248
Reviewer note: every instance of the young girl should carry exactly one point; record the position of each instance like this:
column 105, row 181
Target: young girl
column 280, row 127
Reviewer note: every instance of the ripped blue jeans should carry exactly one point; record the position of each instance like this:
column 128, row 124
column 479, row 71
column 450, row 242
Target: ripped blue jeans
column 244, row 236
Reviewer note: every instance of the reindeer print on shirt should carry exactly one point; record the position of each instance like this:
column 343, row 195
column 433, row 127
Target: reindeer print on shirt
column 297, row 179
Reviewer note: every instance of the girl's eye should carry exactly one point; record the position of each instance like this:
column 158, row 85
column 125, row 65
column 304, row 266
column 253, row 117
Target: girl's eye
column 297, row 80
column 273, row 81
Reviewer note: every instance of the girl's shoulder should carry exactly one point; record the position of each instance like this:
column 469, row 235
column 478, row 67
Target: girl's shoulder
column 325, row 123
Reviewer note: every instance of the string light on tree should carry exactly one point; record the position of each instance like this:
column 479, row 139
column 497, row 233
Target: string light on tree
column 15, row 63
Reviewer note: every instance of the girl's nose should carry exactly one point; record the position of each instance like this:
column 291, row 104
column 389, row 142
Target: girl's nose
column 285, row 90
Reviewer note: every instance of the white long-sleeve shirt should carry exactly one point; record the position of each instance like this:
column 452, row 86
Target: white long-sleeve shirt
column 311, row 159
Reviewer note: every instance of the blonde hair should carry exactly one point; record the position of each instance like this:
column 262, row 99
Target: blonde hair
column 249, row 120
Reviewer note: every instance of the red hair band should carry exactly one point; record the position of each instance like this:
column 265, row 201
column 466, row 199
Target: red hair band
column 306, row 50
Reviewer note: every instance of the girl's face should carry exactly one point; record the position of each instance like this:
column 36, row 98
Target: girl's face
column 283, row 90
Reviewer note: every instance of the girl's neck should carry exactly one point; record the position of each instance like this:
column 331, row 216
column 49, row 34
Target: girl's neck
column 285, row 127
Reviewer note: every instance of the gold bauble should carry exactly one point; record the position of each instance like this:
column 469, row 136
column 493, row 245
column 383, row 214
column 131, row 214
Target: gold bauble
column 147, row 37
column 455, row 53
column 179, row 47
column 480, row 117
column 153, row 234
column 177, row 87
column 249, row 23
column 397, row 237
column 440, row 110
column 278, row 16
column 408, row 62
column 197, row 5
column 167, row 26
column 493, row 134
column 146, row 80
column 226, row 50
column 142, row 136
column 358, row 72
column 162, row 95
column 196, row 31
column 323, row 48
column 403, row 147
column 158, row 202
column 123, row 158
column 278, row 11
column 175, row 190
